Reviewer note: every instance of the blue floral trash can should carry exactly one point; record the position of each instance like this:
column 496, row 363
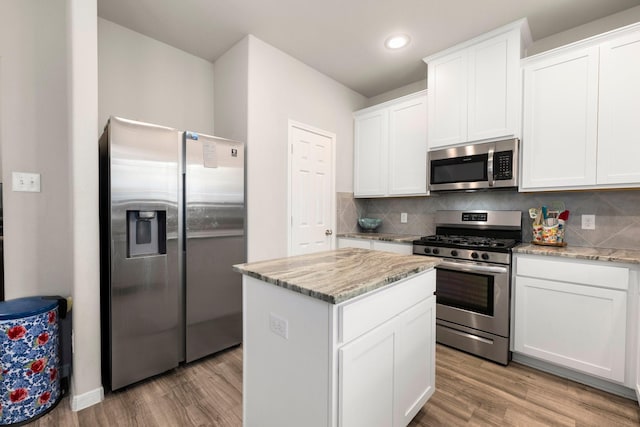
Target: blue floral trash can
column 29, row 359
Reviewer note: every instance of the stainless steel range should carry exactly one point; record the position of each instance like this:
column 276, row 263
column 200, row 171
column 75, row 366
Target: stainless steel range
column 473, row 280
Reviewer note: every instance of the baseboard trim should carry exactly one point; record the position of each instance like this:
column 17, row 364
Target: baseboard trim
column 84, row 400
column 578, row 377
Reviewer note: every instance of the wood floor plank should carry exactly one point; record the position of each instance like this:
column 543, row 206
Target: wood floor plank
column 469, row 392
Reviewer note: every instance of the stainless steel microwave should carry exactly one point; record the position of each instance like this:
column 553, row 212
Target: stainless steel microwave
column 474, row 167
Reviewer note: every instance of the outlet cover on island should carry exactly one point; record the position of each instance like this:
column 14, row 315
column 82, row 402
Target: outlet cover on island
column 403, row 217
column 588, row 222
column 279, row 325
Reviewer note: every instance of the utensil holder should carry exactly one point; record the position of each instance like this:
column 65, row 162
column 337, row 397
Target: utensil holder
column 552, row 235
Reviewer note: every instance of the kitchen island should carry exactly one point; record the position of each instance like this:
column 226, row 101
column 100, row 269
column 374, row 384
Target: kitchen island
column 338, row 338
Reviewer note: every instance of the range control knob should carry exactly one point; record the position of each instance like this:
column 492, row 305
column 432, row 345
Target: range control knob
column 485, row 256
column 436, row 251
column 474, row 255
column 427, row 250
column 454, row 253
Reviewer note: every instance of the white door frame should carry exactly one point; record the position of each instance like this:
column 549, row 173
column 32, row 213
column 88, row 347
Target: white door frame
column 291, row 125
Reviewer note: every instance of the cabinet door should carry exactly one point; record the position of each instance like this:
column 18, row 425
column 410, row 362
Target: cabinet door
column 408, row 147
column 371, row 154
column 618, row 121
column 354, row 243
column 493, row 100
column 447, row 112
column 416, row 368
column 580, row 327
column 399, row 248
column 366, row 379
column 560, row 121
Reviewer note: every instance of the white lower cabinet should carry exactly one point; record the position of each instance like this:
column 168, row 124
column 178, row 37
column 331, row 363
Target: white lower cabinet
column 388, row 374
column 354, row 243
column 637, row 384
column 377, row 245
column 366, row 379
column 367, row 362
column 416, row 360
column 572, row 314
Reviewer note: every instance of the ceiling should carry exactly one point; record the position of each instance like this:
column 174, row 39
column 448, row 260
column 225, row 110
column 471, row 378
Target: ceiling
column 344, row 38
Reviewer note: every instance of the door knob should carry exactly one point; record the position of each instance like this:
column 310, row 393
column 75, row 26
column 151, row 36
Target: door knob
column 328, row 232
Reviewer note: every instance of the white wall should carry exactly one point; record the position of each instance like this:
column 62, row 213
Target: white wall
column 143, row 79
column 283, row 88
column 401, row 91
column 231, row 88
column 82, row 74
column 51, row 237
column 33, row 135
column 608, row 23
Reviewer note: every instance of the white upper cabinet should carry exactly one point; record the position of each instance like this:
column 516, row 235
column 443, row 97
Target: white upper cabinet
column 560, row 118
column 474, row 88
column 391, row 148
column 408, row 147
column 619, row 113
column 580, row 124
column 447, row 116
column 370, row 153
column 494, row 99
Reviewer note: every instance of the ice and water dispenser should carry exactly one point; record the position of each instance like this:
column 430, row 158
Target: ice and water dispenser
column 146, row 233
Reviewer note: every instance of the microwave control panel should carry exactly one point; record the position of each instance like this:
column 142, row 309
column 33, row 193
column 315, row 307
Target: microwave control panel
column 503, row 165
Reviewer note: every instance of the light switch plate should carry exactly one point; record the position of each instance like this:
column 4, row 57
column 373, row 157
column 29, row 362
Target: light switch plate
column 403, row 217
column 23, row 181
column 588, row 222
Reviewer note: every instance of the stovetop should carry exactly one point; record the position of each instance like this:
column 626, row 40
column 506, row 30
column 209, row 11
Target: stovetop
column 467, row 242
column 479, row 249
column 474, row 235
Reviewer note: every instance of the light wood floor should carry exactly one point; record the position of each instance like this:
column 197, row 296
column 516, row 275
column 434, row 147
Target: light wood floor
column 469, row 392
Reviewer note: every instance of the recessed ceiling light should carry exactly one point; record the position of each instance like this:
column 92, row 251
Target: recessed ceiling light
column 397, row 41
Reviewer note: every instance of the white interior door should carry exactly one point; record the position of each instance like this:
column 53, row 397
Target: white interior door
column 311, row 190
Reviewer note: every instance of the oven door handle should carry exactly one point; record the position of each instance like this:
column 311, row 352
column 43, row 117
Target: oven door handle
column 475, row 269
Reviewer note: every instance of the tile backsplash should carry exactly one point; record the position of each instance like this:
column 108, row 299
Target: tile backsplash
column 617, row 213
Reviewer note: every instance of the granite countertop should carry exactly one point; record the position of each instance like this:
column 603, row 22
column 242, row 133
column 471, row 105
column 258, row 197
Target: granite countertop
column 386, row 237
column 628, row 256
column 339, row 275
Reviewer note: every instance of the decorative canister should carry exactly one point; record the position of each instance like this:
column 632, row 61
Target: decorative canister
column 29, row 359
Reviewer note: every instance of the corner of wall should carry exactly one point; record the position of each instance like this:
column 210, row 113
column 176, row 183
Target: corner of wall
column 348, row 210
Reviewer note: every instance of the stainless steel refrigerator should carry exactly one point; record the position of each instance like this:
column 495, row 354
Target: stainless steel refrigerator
column 172, row 223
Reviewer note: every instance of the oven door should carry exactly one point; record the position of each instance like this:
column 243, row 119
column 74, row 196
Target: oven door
column 475, row 295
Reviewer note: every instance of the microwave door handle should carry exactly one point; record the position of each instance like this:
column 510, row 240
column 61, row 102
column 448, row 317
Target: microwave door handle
column 490, row 177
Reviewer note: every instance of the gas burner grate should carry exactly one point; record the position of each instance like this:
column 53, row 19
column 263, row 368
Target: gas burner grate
column 469, row 241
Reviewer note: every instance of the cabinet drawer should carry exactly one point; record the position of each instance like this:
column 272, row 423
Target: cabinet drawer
column 398, row 248
column 358, row 317
column 354, row 243
column 605, row 276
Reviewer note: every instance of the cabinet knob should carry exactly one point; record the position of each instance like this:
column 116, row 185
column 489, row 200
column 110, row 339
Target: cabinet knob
column 328, row 232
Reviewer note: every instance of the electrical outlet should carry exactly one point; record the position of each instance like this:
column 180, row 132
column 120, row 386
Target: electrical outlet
column 588, row 222
column 22, row 181
column 403, row 217
column 279, row 325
